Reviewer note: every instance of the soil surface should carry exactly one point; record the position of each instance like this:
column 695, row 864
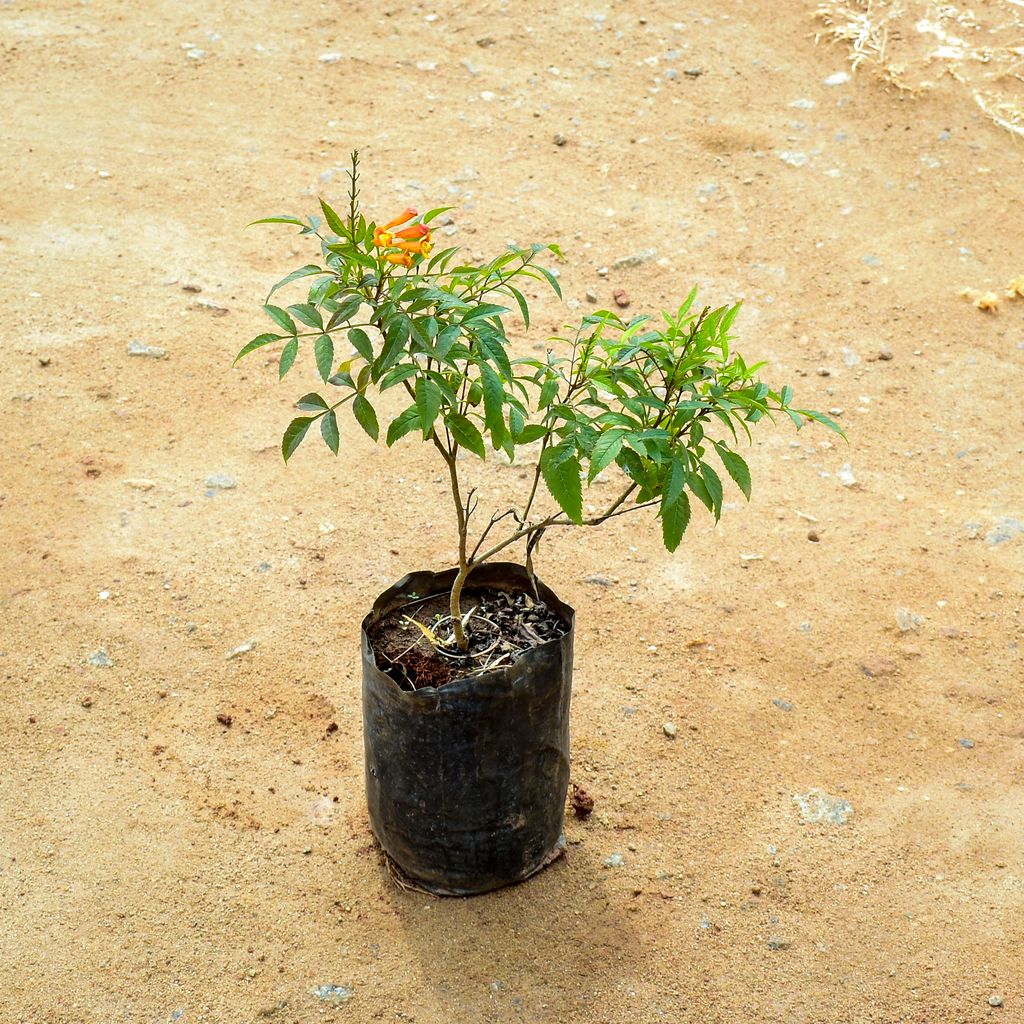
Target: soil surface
column 500, row 627
column 803, row 733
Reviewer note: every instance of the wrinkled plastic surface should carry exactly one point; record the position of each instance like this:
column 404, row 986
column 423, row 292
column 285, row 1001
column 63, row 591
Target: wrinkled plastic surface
column 466, row 783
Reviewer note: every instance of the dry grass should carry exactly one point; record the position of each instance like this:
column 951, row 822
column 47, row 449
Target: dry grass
column 913, row 45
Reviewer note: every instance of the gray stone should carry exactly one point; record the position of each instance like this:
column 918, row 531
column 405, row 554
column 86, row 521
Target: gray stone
column 782, row 705
column 839, row 78
column 871, row 260
column 775, row 944
column 241, row 649
column 995, row 1001
column 967, row 744
column 591, row 295
column 816, row 806
column 670, row 730
column 794, row 158
column 100, row 659
column 635, row 260
column 1006, row 528
column 803, row 104
column 907, row 620
column 329, row 58
column 599, row 581
column 845, row 475
column 616, row 860
column 140, row 348
column 222, row 481
column 333, row 994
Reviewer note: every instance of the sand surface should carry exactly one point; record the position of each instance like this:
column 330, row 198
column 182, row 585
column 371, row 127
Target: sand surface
column 834, row 835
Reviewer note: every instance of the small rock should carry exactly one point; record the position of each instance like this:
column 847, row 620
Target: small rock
column 995, row 1001
column 794, row 158
column 210, row 306
column 907, row 620
column 191, row 286
column 816, row 806
column 775, row 944
column 582, row 802
column 621, row 298
column 845, row 475
column 812, row 536
column 100, row 659
column 670, row 730
column 1005, row 529
column 140, row 484
column 334, row 994
column 870, row 260
column 850, row 358
column 782, row 705
column 86, row 701
column 224, row 719
column 634, row 261
column 967, row 744
column 307, row 850
column 486, row 42
column 591, row 295
column 803, row 104
column 874, row 666
column 222, row 481
column 329, row 58
column 599, row 581
column 693, row 72
column 140, row 348
column 839, row 78
column 616, row 860
column 559, row 139
column 195, row 53
column 885, row 354
column 240, row 650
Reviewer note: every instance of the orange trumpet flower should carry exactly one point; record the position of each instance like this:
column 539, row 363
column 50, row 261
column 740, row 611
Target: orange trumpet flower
column 414, row 231
column 420, row 248
column 400, row 259
column 407, row 214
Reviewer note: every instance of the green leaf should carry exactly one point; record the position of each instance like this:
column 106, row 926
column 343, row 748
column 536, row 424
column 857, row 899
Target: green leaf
column 312, row 403
column 675, row 517
column 713, row 483
column 561, row 471
column 281, row 318
column 258, row 342
column 531, row 432
column 676, row 482
column 294, row 434
column 403, row 424
column 283, row 219
column 605, row 450
column 397, row 375
column 736, row 467
column 428, row 403
column 348, row 309
column 465, row 433
column 446, row 339
column 329, row 431
column 484, row 310
column 786, row 396
column 548, row 392
column 360, row 341
column 365, row 416
column 334, row 222
column 288, row 354
column 697, row 485
column 307, row 271
column 821, row 418
column 308, row 314
column 324, row 352
column 494, row 401
column 492, row 346
column 524, row 308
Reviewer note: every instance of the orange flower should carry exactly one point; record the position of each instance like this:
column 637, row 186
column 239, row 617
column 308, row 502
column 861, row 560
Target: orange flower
column 400, row 259
column 414, row 231
column 407, row 214
column 381, row 238
column 419, row 248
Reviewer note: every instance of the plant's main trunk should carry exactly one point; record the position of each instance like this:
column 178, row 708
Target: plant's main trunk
column 455, row 607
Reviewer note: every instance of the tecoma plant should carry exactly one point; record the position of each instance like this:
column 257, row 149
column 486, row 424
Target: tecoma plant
column 654, row 401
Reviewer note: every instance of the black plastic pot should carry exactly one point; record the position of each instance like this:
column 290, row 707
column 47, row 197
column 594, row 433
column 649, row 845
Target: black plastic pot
column 466, row 783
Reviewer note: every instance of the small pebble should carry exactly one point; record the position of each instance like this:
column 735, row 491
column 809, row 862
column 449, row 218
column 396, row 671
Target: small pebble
column 139, row 484
column 885, row 354
column 616, row 860
column 240, row 650
column 845, row 475
column 329, row 58
column 599, row 581
column 100, row 659
column 812, row 535
column 222, row 481
column 139, row 348
column 967, row 744
column 86, row 702
column 839, row 78
column 995, row 1001
column 559, row 139
column 782, row 705
column 669, row 728
column 224, row 719
column 591, row 295
column 621, row 298
column 907, row 620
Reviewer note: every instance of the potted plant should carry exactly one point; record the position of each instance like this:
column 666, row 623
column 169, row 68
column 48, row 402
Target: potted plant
column 467, row 672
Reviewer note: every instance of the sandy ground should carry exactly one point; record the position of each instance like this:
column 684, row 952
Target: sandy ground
column 156, row 866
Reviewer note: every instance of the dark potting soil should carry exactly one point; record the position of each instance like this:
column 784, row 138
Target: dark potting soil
column 502, row 626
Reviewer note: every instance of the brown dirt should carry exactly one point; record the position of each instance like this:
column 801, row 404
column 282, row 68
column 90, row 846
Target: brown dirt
column 154, row 864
